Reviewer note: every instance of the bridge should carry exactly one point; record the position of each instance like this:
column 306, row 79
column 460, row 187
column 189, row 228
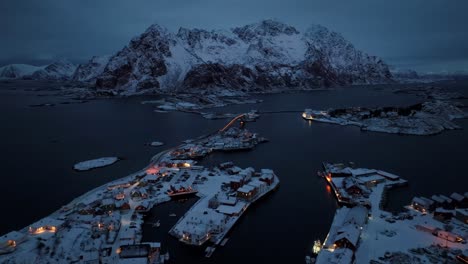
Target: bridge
column 241, row 116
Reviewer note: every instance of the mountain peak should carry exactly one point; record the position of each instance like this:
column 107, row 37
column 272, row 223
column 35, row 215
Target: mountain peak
column 268, row 27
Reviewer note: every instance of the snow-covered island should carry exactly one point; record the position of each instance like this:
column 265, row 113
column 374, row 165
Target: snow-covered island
column 426, row 118
column 363, row 232
column 105, row 224
column 95, row 163
column 155, row 144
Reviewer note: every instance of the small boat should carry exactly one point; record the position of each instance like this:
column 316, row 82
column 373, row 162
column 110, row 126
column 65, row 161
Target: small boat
column 172, row 215
column 166, row 257
column 157, row 224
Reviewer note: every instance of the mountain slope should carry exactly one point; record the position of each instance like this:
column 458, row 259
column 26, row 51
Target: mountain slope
column 258, row 57
column 14, row 71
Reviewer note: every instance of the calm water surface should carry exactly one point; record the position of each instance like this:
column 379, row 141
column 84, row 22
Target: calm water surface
column 41, row 144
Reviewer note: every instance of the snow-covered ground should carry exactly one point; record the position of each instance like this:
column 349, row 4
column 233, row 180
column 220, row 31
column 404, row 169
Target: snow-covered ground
column 422, row 119
column 95, row 163
column 93, row 227
column 372, row 234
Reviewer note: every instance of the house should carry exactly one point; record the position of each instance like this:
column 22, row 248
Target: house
column 267, row 176
column 139, row 193
column 442, row 214
column 108, row 204
column 347, row 237
column 438, row 201
column 389, row 176
column 421, row 204
column 462, row 215
column 246, row 192
column 45, row 225
column 459, row 200
column 337, row 256
column 236, row 182
column 351, row 186
column 135, row 251
column 122, row 205
column 372, row 180
column 152, row 178
column 213, row 203
column 143, row 206
column 357, row 215
column 448, row 202
column 261, row 186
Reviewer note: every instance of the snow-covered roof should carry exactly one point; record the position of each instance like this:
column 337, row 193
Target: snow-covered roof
column 362, row 172
column 246, row 189
column 372, row 177
column 230, row 210
column 356, row 215
column 48, row 221
column 228, row 200
column 448, row 200
column 419, row 200
column 457, row 197
column 463, row 211
column 444, row 211
column 267, row 171
column 437, row 199
column 256, row 183
column 338, row 256
column 388, row 175
column 350, row 232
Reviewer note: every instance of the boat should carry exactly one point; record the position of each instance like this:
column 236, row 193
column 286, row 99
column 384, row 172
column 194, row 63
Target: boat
column 317, row 246
column 157, row 224
column 307, row 114
column 166, row 257
column 172, row 215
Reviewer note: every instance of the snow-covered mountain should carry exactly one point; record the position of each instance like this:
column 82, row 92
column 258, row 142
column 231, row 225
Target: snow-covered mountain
column 88, row 71
column 59, row 70
column 14, row 71
column 261, row 56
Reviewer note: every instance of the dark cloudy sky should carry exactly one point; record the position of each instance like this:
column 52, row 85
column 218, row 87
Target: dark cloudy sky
column 427, row 35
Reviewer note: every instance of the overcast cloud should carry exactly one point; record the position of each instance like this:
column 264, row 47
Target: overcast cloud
column 427, row 35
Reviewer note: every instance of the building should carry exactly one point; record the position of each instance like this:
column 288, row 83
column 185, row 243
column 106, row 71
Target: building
column 246, row 192
column 389, row 176
column 438, row 201
column 267, row 176
column 213, row 203
column 448, row 204
column 421, row 204
column 459, row 200
column 236, row 182
column 347, row 237
column 45, row 225
column 442, row 214
column 372, row 180
column 357, row 215
column 462, row 215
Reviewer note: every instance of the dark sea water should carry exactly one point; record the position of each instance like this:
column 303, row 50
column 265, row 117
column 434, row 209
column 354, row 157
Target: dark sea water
column 40, row 145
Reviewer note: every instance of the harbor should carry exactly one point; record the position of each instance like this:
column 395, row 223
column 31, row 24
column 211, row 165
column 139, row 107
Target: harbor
column 106, row 223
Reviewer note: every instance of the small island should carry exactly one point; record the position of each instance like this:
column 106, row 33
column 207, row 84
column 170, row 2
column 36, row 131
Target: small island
column 95, row 163
column 426, row 118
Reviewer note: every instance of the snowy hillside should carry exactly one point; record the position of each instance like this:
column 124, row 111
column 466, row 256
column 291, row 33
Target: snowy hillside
column 59, row 70
column 14, row 71
column 257, row 57
column 89, row 70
